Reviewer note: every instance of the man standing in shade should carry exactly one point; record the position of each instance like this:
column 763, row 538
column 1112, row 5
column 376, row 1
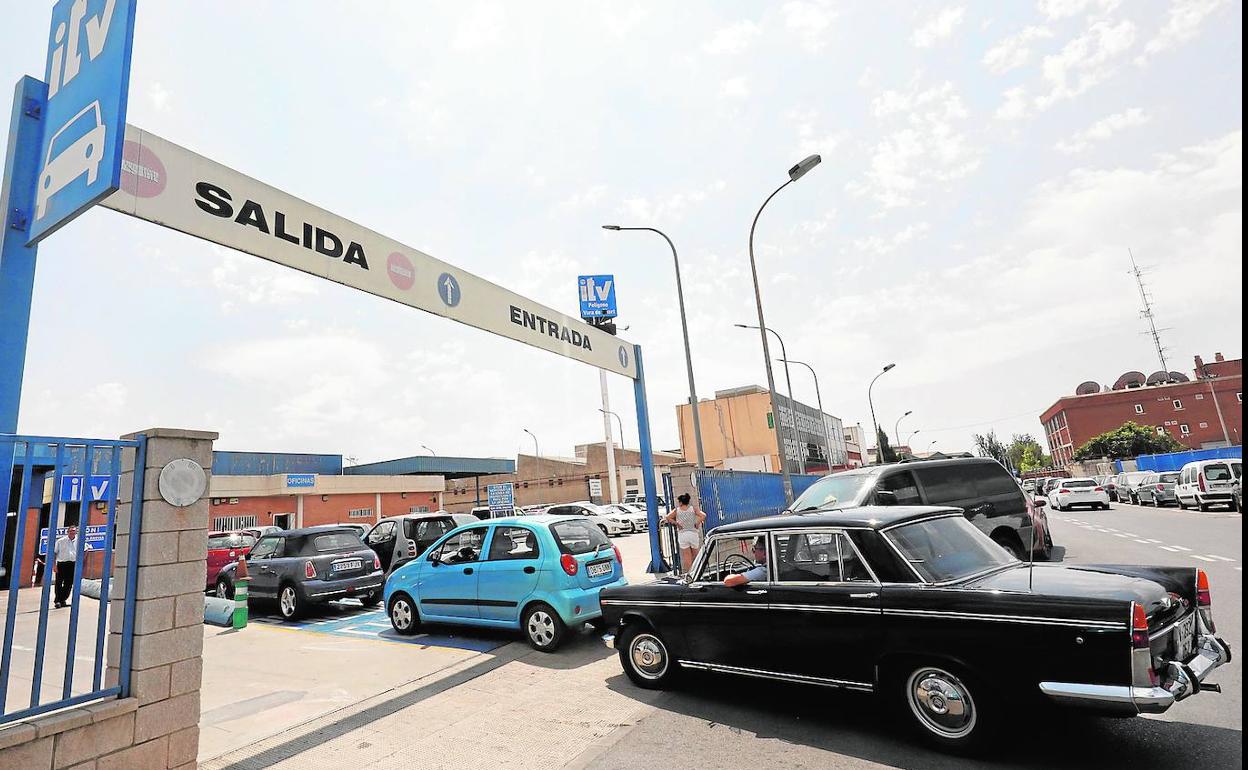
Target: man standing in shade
column 65, row 553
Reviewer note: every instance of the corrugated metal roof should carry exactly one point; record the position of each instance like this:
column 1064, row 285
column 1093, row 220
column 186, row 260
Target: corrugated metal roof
column 451, row 467
column 269, row 463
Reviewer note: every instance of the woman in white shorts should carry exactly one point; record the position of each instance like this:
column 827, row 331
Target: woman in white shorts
column 688, row 522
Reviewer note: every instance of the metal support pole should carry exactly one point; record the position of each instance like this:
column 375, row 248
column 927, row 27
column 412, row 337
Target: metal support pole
column 17, row 260
column 647, row 467
column 827, row 437
column 606, row 429
column 875, row 426
column 1214, row 395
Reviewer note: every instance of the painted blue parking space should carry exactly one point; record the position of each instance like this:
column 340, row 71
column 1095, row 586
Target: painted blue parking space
column 349, row 618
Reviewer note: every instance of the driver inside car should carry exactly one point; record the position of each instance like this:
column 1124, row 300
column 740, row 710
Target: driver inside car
column 757, row 572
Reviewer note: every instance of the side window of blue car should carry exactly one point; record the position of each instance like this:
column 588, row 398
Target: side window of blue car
column 513, row 543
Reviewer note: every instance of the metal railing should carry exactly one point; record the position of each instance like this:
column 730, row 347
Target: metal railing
column 90, row 471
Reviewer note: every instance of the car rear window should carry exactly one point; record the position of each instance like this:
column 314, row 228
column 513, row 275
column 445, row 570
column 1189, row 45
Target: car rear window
column 1217, row 473
column 578, row 536
column 336, row 541
column 1169, row 478
column 1079, row 484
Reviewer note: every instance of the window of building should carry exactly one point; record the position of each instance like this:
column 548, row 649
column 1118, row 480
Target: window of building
column 360, row 513
column 1161, row 431
column 418, row 509
column 1200, row 396
column 1204, row 425
column 1240, row 396
column 1139, row 409
column 227, row 523
column 1178, row 404
column 1184, row 430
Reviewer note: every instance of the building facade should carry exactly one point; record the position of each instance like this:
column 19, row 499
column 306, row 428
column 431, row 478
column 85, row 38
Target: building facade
column 739, row 432
column 1203, row 412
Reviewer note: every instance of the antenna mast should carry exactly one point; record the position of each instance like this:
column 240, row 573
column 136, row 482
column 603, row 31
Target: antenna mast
column 1147, row 313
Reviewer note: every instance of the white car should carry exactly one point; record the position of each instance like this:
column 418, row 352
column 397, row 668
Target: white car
column 1078, row 491
column 610, row 523
column 81, row 157
column 634, row 515
column 1209, row 482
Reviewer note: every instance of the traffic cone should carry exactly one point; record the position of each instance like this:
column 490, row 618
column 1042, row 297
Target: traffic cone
column 241, row 580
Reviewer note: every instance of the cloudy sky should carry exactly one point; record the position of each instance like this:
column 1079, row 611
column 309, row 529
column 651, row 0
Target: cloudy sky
column 985, row 169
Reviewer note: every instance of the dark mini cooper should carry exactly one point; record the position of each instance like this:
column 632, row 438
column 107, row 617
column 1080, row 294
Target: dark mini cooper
column 917, row 604
column 300, row 567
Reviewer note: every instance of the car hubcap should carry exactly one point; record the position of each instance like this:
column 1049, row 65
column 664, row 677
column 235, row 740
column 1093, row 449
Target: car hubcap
column 648, row 656
column 941, row 702
column 221, row 591
column 401, row 614
column 288, row 601
column 541, row 628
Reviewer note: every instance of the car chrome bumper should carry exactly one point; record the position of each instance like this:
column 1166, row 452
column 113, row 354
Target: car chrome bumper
column 609, row 640
column 1184, row 680
column 325, row 590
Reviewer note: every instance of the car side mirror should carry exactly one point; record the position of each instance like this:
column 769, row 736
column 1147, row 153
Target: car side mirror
column 1039, row 502
column 884, row 497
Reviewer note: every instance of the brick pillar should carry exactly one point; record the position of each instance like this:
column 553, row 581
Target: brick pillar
column 167, row 660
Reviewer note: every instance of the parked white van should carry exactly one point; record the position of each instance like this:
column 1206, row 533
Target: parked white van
column 1208, row 482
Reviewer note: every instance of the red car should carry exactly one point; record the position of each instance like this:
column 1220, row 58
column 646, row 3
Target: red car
column 225, row 548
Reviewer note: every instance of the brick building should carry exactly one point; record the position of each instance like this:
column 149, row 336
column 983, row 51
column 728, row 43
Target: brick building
column 1203, row 412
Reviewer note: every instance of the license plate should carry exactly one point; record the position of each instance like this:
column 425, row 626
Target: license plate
column 598, row 569
column 1183, row 634
column 343, row 566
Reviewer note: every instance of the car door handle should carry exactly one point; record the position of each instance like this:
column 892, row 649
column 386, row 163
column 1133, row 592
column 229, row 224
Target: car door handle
column 869, row 595
column 467, row 570
column 529, row 570
column 757, row 592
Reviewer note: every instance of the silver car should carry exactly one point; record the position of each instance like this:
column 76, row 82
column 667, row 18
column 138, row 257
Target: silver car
column 1158, row 489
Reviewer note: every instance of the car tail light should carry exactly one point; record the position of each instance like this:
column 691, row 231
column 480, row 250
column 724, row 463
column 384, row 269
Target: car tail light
column 569, row 564
column 1142, row 672
column 1064, row 491
column 376, row 562
column 309, row 569
column 1200, row 478
column 1099, row 489
column 1204, row 601
column 619, row 559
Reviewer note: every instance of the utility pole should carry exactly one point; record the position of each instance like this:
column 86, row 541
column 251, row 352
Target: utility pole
column 1147, row 314
column 606, row 429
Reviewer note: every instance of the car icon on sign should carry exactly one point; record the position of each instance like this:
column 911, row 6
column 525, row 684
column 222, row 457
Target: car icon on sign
column 81, row 157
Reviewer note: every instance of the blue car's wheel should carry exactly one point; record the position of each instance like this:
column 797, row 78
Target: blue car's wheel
column 543, row 628
column 403, row 616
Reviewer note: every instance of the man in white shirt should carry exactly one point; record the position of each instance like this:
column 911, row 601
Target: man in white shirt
column 65, row 553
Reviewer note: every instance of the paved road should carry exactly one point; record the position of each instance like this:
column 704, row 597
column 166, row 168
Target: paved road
column 727, row 722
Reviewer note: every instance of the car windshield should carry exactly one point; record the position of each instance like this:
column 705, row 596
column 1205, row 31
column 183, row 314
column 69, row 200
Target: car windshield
column 1217, row 473
column 947, row 548
column 336, row 541
column 578, row 536
column 831, row 491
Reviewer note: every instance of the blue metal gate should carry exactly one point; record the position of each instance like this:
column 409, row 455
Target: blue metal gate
column 729, row 496
column 45, row 477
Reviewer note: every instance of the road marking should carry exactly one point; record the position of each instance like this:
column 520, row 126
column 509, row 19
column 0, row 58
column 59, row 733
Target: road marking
column 1202, row 558
column 1145, row 542
column 1170, row 548
column 1130, row 534
column 1120, row 534
column 1181, row 548
column 1219, row 558
column 1151, row 540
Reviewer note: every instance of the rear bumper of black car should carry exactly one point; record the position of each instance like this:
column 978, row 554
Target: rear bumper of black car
column 328, row 590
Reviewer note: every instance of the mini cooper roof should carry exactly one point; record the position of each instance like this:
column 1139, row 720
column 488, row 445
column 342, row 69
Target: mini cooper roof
column 870, row 516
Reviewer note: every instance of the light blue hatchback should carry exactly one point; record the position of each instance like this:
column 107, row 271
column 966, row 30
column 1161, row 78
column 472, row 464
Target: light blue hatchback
column 540, row 574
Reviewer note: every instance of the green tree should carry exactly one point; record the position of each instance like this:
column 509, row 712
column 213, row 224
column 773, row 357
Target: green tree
column 1019, row 444
column 1034, row 459
column 883, row 448
column 1129, row 440
column 988, row 445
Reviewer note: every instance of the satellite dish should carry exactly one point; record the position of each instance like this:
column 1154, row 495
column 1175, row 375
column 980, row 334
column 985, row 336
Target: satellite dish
column 1088, row 388
column 1178, row 377
column 1158, row 378
column 1130, row 380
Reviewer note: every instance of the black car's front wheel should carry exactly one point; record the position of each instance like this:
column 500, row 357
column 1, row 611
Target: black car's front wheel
column 645, row 658
column 289, row 603
column 943, row 707
column 224, row 588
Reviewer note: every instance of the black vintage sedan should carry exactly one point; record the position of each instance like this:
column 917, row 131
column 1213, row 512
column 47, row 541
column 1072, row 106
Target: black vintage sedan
column 919, row 606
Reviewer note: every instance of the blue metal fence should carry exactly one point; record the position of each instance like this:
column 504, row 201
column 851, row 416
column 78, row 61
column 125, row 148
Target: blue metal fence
column 729, row 496
column 1174, row 461
column 27, row 464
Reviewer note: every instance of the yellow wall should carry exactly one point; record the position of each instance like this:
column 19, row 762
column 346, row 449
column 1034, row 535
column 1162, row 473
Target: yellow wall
column 735, row 426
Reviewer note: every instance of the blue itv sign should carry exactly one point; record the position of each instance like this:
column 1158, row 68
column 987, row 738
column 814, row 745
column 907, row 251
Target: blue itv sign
column 84, row 119
column 597, row 294
column 501, row 498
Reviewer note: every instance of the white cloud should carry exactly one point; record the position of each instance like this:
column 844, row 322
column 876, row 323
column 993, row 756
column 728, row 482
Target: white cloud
column 1063, row 9
column 159, row 96
column 733, row 39
column 1103, row 129
column 1013, row 52
column 1183, row 24
column 481, row 27
column 1015, row 105
column 939, row 27
column 1085, row 61
column 735, row 88
column 883, row 244
column 809, row 20
column 242, row 278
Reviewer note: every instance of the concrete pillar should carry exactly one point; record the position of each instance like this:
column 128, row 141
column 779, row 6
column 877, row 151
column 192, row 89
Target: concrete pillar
column 167, row 662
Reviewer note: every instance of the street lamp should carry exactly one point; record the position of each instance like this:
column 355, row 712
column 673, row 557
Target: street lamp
column 536, row 452
column 795, row 173
column 827, row 439
column 684, row 328
column 897, row 426
column 619, row 422
column 912, row 435
column 789, row 384
column 427, row 449
column 875, row 426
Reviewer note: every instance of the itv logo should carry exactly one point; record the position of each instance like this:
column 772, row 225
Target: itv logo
column 597, row 296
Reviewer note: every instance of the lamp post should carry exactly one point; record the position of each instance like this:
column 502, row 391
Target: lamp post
column 795, row 173
column 897, row 425
column 536, row 452
column 792, row 404
column 618, row 422
column 684, row 329
column 827, row 438
column 908, row 438
column 875, row 426
column 427, row 449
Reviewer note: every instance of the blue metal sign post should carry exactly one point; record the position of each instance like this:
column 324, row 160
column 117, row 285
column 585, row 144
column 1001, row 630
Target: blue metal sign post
column 597, row 296
column 647, row 466
column 88, row 77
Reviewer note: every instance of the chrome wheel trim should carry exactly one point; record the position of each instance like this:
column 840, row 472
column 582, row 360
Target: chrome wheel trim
column 222, row 591
column 401, row 615
column 648, row 656
column 941, row 702
column 541, row 628
column 287, row 600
